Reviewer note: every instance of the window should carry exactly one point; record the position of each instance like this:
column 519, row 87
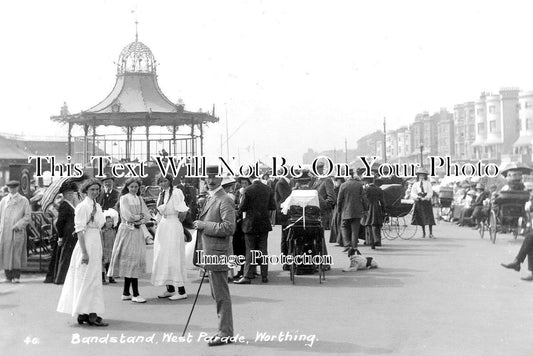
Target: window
column 528, row 124
column 528, row 104
column 492, row 126
column 492, row 109
column 480, row 127
column 480, row 111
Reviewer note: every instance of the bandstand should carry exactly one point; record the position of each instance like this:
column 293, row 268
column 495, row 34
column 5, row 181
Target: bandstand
column 137, row 106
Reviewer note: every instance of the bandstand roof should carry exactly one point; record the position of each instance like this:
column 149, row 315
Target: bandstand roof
column 136, row 99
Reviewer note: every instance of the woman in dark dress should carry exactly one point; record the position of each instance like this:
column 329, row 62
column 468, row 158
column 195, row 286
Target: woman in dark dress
column 335, row 235
column 65, row 230
column 421, row 193
column 51, row 214
column 376, row 212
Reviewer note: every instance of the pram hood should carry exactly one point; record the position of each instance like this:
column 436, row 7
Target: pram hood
column 302, row 198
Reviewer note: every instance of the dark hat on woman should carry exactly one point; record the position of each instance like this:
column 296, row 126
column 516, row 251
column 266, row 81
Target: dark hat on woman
column 68, row 186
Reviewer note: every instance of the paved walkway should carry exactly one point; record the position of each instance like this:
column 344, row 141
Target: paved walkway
column 447, row 296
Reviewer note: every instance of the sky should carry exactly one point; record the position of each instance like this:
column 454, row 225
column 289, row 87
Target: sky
column 287, row 75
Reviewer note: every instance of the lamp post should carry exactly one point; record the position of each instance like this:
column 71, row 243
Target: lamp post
column 421, row 155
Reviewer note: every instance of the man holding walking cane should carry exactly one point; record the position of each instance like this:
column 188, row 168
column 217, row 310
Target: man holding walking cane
column 215, row 226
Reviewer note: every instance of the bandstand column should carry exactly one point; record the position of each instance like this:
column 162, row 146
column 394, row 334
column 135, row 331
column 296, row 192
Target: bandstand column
column 192, row 137
column 85, row 142
column 128, row 138
column 174, row 140
column 201, row 139
column 70, row 139
column 94, row 137
column 147, row 143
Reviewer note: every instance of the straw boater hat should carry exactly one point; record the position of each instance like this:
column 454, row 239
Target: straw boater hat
column 422, row 170
column 13, row 183
column 227, row 181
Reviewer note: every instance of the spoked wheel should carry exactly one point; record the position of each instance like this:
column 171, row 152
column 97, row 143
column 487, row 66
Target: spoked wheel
column 389, row 229
column 406, row 230
column 481, row 228
column 318, row 247
column 492, row 226
column 292, row 251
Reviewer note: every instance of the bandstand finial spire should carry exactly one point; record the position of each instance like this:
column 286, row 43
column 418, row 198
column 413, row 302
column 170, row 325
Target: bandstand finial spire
column 136, row 30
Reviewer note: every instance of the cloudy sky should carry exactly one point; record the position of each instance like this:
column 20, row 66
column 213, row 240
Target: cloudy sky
column 291, row 75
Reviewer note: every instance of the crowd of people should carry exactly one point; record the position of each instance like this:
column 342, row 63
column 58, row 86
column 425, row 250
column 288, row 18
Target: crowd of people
column 102, row 233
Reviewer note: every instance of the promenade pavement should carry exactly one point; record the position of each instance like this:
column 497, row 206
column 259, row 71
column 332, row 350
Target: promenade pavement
column 443, row 296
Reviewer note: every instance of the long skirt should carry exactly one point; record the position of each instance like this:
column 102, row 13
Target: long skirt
column 335, row 235
column 82, row 292
column 423, row 213
column 169, row 253
column 129, row 253
column 69, row 243
column 54, row 263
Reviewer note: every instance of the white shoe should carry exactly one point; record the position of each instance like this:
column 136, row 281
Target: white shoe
column 138, row 299
column 16, row 280
column 166, row 294
column 178, row 297
column 126, row 297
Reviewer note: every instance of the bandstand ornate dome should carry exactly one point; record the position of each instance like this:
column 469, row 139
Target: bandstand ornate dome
column 136, row 58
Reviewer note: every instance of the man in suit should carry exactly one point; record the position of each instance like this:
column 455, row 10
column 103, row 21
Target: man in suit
column 351, row 203
column 326, row 191
column 109, row 196
column 256, row 206
column 281, row 192
column 215, row 226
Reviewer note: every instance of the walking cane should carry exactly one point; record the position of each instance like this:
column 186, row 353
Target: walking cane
column 194, row 304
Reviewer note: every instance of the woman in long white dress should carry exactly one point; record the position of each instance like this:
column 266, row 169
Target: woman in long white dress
column 82, row 292
column 169, row 245
column 128, row 259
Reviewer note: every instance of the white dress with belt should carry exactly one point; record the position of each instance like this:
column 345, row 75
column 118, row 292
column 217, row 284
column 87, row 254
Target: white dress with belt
column 169, row 243
column 82, row 292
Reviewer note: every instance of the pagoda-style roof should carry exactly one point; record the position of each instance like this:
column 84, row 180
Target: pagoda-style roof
column 136, row 99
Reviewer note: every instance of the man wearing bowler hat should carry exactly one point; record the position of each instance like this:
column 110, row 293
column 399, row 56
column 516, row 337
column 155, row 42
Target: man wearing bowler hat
column 215, row 226
column 109, row 196
column 15, row 215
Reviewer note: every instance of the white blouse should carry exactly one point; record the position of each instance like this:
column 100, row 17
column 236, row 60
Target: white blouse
column 415, row 189
column 83, row 213
column 176, row 204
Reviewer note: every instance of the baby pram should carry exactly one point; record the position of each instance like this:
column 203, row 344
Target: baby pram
column 445, row 202
column 398, row 213
column 305, row 233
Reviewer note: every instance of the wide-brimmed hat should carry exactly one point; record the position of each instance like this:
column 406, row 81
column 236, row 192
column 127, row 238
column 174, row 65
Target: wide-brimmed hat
column 13, row 183
column 471, row 192
column 68, row 186
column 227, row 181
column 113, row 214
column 480, row 186
column 421, row 170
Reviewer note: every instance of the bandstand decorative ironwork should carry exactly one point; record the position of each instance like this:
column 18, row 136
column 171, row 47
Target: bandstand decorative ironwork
column 136, row 101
